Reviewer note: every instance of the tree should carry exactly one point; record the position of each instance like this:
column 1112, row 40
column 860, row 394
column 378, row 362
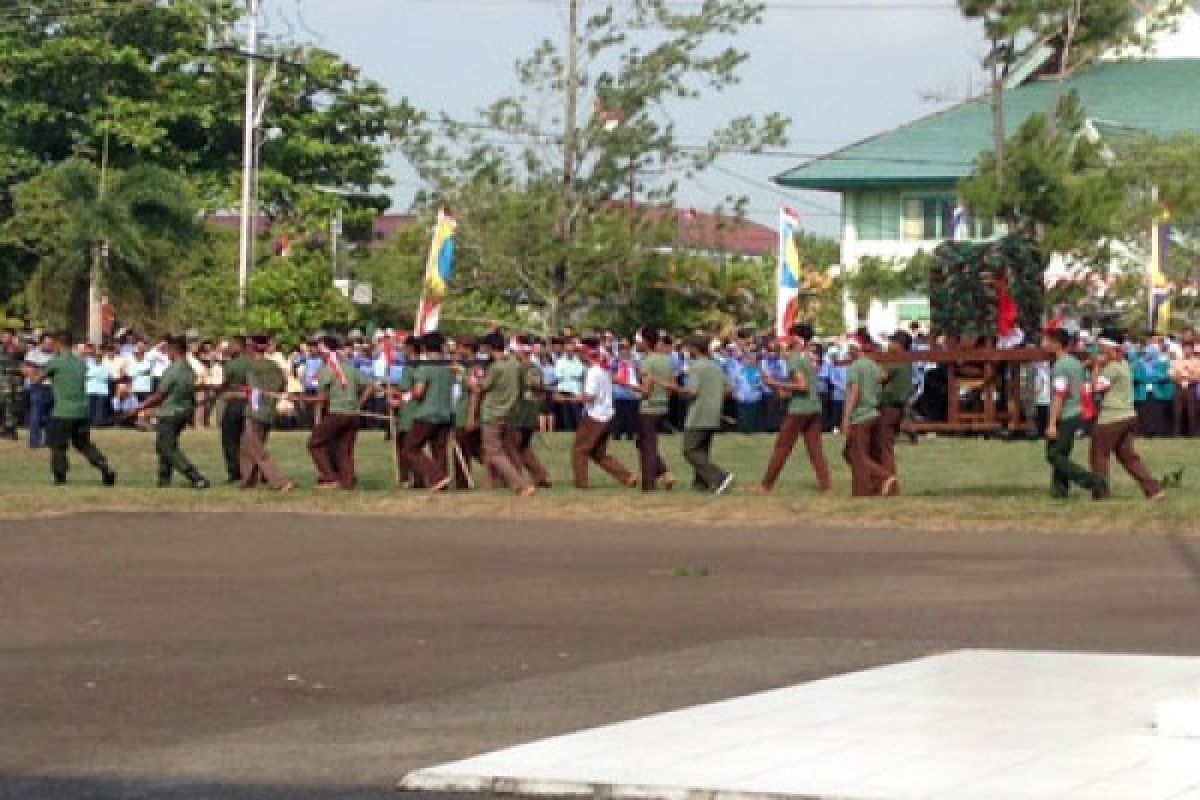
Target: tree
column 105, row 230
column 1074, row 31
column 592, row 123
column 1056, row 186
column 127, row 84
column 884, row 280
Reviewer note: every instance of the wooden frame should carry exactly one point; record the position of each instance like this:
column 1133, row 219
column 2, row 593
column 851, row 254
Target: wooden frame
column 991, row 419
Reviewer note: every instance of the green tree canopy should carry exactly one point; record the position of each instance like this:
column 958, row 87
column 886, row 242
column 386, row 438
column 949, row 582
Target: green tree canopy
column 126, row 226
column 592, row 121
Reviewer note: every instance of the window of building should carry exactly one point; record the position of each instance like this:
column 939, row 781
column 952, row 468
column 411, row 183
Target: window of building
column 928, row 219
column 877, row 216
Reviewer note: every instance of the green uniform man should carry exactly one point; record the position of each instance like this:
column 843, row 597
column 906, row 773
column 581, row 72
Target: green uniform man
column 176, row 404
column 11, row 384
column 69, row 424
column 862, row 424
column 707, row 388
column 1066, row 418
column 233, row 417
column 406, row 413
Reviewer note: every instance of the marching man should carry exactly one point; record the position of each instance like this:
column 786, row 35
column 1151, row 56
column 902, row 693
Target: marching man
column 341, row 392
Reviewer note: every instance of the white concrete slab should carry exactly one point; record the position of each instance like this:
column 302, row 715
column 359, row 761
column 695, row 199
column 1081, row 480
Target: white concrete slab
column 968, row 725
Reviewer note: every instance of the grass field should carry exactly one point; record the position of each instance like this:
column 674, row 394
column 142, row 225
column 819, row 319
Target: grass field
column 947, row 484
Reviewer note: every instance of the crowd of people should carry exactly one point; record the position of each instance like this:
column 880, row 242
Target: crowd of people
column 452, row 404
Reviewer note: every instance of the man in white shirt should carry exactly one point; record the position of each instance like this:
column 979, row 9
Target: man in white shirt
column 591, row 437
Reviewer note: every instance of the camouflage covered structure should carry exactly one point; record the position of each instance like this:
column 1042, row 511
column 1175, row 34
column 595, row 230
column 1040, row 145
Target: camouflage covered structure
column 963, row 294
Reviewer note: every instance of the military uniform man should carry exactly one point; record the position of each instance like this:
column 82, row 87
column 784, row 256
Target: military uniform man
column 405, row 413
column 523, row 426
column 468, row 439
column 233, row 417
column 69, row 422
column 265, row 381
column 342, row 389
column 897, row 391
column 804, row 416
column 861, row 425
column 501, row 389
column 11, row 383
column 1068, row 377
column 707, row 388
column 175, row 400
column 658, row 381
column 432, row 402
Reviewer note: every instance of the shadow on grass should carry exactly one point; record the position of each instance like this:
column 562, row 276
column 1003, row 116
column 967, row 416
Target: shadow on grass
column 30, row 787
column 994, row 491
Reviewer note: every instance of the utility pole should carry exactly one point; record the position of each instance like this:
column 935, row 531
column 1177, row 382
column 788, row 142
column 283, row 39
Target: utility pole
column 997, row 60
column 570, row 132
column 248, row 140
column 566, row 222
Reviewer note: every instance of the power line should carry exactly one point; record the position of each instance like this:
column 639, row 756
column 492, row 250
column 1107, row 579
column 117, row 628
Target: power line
column 854, row 6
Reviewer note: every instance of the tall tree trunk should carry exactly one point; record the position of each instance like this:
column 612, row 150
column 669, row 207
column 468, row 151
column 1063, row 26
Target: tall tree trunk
column 998, row 122
column 95, row 326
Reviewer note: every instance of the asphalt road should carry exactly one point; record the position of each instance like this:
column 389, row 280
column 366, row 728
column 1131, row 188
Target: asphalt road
column 321, row 658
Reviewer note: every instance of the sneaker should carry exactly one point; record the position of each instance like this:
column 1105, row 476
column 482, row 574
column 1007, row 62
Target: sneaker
column 109, row 477
column 201, row 483
column 60, row 481
column 725, row 484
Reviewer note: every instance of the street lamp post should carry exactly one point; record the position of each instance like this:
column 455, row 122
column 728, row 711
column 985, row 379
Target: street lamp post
column 335, row 225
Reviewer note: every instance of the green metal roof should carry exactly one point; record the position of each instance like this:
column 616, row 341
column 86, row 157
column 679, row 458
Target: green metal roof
column 1159, row 97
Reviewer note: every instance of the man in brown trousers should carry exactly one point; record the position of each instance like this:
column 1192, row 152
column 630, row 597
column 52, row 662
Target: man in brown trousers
column 1117, row 424
column 524, row 424
column 861, row 420
column 342, row 392
column 804, row 417
column 265, row 385
column 591, row 437
column 501, row 390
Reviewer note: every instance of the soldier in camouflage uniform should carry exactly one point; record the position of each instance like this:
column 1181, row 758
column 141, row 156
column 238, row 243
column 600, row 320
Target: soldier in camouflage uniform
column 12, row 383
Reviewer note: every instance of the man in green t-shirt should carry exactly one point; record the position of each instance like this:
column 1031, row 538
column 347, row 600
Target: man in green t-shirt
column 233, row 415
column 1067, row 380
column 69, row 418
column 524, row 424
column 467, row 446
column 897, row 391
column 501, row 390
column 404, row 410
column 175, row 400
column 658, row 383
column 341, row 392
column 861, row 424
column 1117, row 426
column 432, row 401
column 265, row 383
column 707, row 387
column 803, row 418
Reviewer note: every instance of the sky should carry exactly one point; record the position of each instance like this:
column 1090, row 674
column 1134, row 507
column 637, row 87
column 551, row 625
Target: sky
column 842, row 70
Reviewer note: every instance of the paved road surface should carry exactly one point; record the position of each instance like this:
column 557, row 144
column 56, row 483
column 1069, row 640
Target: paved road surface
column 321, row 658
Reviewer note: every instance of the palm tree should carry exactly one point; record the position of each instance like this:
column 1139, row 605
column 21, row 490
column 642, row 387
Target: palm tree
column 114, row 222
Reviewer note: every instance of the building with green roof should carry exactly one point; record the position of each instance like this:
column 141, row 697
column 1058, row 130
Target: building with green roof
column 899, row 188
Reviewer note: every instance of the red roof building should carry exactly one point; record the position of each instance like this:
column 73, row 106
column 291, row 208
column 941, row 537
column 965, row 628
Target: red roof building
column 697, row 231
